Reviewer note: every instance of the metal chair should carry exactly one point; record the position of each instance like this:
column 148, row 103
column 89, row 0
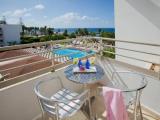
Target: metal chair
column 59, row 103
column 131, row 84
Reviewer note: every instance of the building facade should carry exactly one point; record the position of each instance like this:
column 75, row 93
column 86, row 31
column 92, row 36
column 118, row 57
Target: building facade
column 138, row 21
column 10, row 34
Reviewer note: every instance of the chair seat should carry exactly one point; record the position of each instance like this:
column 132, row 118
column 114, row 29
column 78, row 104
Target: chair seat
column 70, row 107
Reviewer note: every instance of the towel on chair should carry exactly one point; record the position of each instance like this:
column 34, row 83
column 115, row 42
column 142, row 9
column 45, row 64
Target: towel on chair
column 114, row 104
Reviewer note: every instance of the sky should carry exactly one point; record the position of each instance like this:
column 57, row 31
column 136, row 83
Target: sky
column 59, row 13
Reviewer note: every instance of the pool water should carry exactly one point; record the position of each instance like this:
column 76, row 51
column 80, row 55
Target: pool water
column 72, row 53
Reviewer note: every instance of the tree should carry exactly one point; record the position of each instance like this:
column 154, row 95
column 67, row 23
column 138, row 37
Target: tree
column 65, row 33
column 107, row 34
column 45, row 30
column 99, row 30
column 49, row 31
column 82, row 31
column 92, row 33
column 52, row 30
column 79, row 31
column 85, row 30
column 23, row 30
column 72, row 35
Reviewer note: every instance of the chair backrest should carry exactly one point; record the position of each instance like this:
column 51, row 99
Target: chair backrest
column 47, row 104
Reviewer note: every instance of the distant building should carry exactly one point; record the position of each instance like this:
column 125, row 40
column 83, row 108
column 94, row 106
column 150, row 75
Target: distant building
column 9, row 33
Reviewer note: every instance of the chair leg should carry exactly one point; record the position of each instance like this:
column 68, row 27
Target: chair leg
column 135, row 113
column 44, row 116
column 90, row 110
column 140, row 109
column 136, row 104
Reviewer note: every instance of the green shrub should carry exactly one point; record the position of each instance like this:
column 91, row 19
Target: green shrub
column 92, row 33
column 60, row 37
column 28, row 39
column 107, row 34
column 25, row 40
column 110, row 55
column 72, row 35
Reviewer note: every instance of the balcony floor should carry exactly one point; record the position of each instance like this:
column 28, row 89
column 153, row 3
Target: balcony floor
column 99, row 109
column 28, row 100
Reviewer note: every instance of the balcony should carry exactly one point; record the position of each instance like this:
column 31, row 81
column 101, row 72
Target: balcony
column 24, row 65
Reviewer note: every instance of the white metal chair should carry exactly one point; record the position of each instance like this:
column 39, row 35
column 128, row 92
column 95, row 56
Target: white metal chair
column 131, row 84
column 59, row 103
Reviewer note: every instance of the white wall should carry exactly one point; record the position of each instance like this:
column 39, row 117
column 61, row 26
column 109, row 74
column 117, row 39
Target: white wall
column 11, row 33
column 137, row 20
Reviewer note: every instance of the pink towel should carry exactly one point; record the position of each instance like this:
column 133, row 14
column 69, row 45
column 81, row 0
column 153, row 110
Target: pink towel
column 114, row 104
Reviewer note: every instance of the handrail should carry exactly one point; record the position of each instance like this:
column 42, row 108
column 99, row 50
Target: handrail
column 132, row 50
column 39, row 61
column 131, row 57
column 25, row 65
column 102, row 44
column 32, row 44
column 20, row 56
column 125, row 41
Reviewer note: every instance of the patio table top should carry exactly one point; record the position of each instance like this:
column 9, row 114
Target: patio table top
column 84, row 78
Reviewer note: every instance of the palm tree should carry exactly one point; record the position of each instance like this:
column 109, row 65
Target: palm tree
column 99, row 30
column 65, row 33
column 49, row 31
column 85, row 30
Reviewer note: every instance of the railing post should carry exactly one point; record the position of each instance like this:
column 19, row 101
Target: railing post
column 101, row 47
column 159, row 69
column 85, row 40
column 52, row 57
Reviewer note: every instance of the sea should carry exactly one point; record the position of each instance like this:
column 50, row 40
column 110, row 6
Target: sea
column 96, row 30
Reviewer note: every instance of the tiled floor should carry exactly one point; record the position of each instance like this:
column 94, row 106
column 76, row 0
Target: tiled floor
column 99, row 110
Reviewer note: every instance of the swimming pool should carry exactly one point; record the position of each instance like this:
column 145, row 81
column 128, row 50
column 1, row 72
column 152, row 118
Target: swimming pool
column 72, row 52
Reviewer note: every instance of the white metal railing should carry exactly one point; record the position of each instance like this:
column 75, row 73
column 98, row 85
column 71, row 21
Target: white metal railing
column 65, row 58
column 103, row 45
column 132, row 50
column 60, row 59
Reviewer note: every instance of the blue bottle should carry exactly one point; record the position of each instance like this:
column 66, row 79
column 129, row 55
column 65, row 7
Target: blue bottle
column 79, row 63
column 87, row 64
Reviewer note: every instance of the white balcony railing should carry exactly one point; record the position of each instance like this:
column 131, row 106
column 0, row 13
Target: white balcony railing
column 102, row 43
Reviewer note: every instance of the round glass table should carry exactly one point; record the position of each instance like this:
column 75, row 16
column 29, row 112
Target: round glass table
column 84, row 78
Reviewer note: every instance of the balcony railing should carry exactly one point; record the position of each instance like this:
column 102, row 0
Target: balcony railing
column 143, row 52
column 55, row 62
column 50, row 61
